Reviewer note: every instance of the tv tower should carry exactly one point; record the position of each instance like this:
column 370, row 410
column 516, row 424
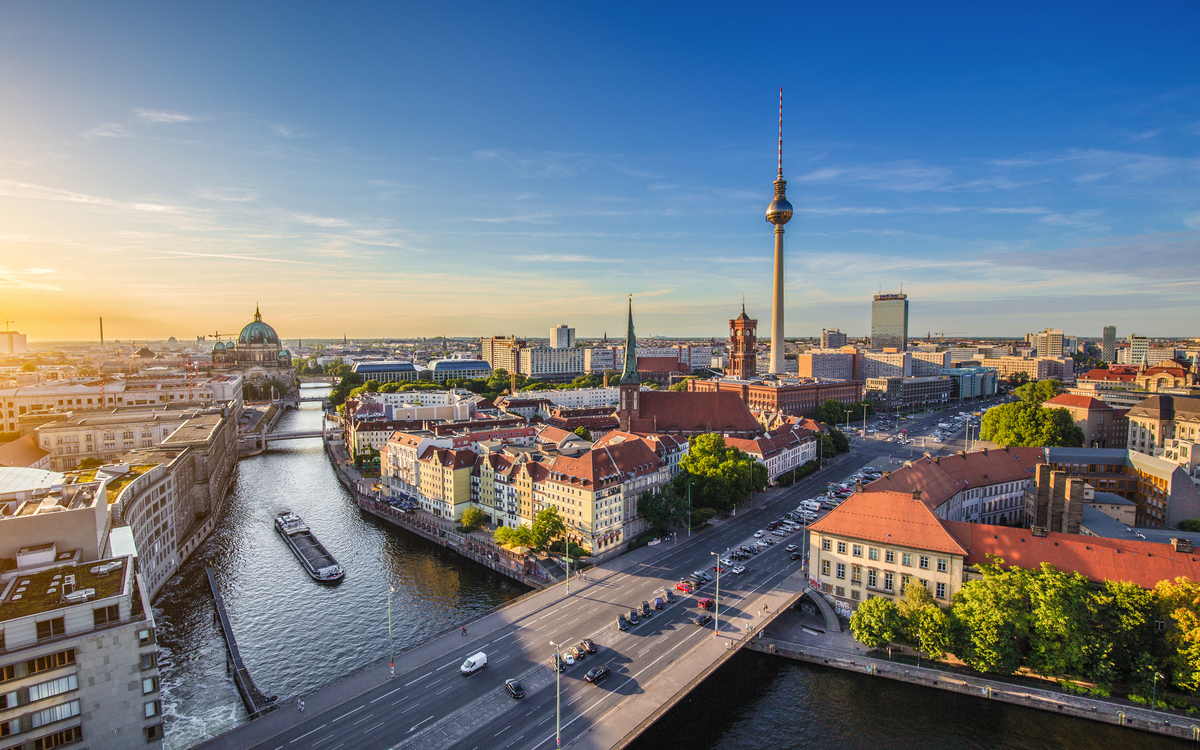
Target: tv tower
column 778, row 213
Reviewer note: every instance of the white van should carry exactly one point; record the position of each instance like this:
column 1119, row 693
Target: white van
column 474, row 663
column 812, row 505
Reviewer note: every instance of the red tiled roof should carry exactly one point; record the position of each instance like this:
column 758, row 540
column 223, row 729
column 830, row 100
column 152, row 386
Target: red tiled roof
column 22, row 452
column 669, row 411
column 1097, row 558
column 1108, row 376
column 889, row 518
column 943, row 478
column 608, row 464
column 659, row 364
column 1072, row 401
column 449, row 458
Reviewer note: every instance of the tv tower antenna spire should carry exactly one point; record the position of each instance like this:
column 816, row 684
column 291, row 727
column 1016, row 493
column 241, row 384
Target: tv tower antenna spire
column 780, row 173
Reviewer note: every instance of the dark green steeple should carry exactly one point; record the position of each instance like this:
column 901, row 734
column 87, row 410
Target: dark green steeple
column 629, row 376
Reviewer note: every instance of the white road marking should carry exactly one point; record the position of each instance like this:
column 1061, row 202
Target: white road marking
column 347, row 714
column 414, row 681
column 308, row 733
column 419, row 723
column 392, row 691
column 502, row 731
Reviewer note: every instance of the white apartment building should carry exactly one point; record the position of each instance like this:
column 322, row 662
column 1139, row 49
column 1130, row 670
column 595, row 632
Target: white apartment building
column 887, row 365
column 562, row 337
column 576, row 398
column 107, row 436
column 925, row 364
column 1048, row 343
column 599, row 359
column 398, row 461
column 545, row 362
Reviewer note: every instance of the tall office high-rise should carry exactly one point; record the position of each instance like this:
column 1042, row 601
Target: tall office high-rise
column 889, row 321
column 562, row 337
column 832, row 338
column 1049, row 342
column 1139, row 349
column 1108, row 347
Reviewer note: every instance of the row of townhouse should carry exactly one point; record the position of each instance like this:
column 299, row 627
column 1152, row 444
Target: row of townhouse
column 780, row 450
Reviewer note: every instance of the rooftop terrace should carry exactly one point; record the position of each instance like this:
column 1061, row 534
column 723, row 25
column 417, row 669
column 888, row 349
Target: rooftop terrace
column 31, row 594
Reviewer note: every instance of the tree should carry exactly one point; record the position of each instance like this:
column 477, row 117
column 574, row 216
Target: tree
column 664, row 508
column 1180, row 600
column 1039, row 391
column 582, row 432
column 990, row 617
column 1192, row 524
column 721, row 476
column 29, row 367
column 1062, row 618
column 514, row 536
column 1126, row 617
column 876, row 623
column 834, row 412
column 90, row 463
column 840, row 442
column 547, row 526
column 1024, row 423
column 1017, row 378
column 472, row 518
column 925, row 625
column 681, row 386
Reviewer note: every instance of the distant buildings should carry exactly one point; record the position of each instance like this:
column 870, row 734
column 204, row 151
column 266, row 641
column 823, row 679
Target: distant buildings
column 1164, row 423
column 829, row 364
column 1040, row 368
column 889, row 322
column 1048, row 343
column 832, row 338
column 442, row 370
column 12, row 342
column 1103, row 425
column 894, row 395
column 258, row 355
column 562, row 337
column 502, row 352
column 1108, row 345
column 791, row 397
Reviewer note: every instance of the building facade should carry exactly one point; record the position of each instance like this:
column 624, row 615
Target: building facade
column 791, row 397
column 895, row 395
column 832, row 338
column 889, row 321
column 743, row 346
column 1103, row 425
column 1108, row 345
column 502, row 352
column 562, row 337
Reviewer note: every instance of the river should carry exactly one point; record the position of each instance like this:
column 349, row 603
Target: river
column 296, row 635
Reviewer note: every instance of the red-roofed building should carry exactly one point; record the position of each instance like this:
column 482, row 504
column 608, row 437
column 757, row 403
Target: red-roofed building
column 687, row 414
column 1103, row 425
column 444, row 481
column 1102, row 380
column 780, row 450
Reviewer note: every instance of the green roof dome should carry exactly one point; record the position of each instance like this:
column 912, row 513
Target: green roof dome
column 258, row 332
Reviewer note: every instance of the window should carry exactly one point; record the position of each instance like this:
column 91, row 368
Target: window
column 824, row 567
column 825, row 544
column 841, row 590
column 856, row 574
column 50, row 661
column 941, row 565
column 103, row 616
column 842, row 547
column 857, row 551
column 50, row 628
column 924, row 562
column 889, row 556
column 153, row 733
column 872, row 553
column 153, row 708
column 887, row 581
column 941, row 590
column 58, row 739
column 53, row 687
column 148, row 661
column 841, row 570
column 54, row 713
column 872, row 580
column 854, row 594
column 906, row 559
column 149, row 685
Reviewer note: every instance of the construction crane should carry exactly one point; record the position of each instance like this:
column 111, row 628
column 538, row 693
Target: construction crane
column 942, row 334
column 6, row 324
column 219, row 336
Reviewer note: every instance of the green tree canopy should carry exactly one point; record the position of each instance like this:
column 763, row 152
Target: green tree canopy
column 582, row 432
column 519, row 536
column 472, row 518
column 1024, row 423
column 665, row 508
column 877, row 623
column 547, row 526
column 721, row 476
column 834, row 412
column 991, row 619
column 1062, row 619
column 1180, row 600
column 925, row 625
column 1039, row 391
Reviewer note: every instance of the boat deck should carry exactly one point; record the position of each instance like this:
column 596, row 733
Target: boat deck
column 313, row 551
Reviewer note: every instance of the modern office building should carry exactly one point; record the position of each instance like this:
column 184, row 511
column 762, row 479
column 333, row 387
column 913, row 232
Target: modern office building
column 547, row 363
column 893, row 364
column 826, row 364
column 1049, row 343
column 387, row 372
column 441, row 370
column 893, row 395
column 502, row 352
column 562, row 337
column 12, row 342
column 971, row 382
column 929, row 363
column 1108, row 345
column 832, row 338
column 889, row 321
column 1139, row 350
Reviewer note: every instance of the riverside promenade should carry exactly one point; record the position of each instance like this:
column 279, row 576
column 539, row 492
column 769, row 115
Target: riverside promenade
column 804, row 637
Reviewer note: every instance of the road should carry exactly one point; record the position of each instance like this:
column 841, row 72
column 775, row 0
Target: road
column 434, row 706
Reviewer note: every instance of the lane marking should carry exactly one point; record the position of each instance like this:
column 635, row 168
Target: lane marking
column 347, row 714
column 414, row 681
column 388, row 693
column 307, row 733
column 419, row 723
column 368, row 730
column 502, row 731
column 360, row 721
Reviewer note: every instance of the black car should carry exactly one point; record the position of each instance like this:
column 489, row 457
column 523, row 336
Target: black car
column 670, row 595
column 646, row 611
column 514, row 688
column 622, row 623
column 797, row 555
column 633, row 617
column 587, row 645
column 559, row 663
column 596, row 674
column 703, row 620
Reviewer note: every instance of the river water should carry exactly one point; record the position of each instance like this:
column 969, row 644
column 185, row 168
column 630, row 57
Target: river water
column 296, row 635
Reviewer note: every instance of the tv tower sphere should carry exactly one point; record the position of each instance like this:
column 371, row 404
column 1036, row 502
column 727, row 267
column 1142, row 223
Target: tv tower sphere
column 780, row 211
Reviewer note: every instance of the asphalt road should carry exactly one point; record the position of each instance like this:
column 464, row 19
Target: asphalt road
column 434, row 706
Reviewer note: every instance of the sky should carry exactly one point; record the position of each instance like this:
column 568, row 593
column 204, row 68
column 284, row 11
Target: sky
column 467, row 169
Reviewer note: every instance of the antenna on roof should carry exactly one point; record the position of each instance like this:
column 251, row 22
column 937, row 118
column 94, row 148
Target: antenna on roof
column 781, row 132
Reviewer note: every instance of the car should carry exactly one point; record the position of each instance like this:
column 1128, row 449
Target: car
column 658, row 602
column 587, row 645
column 514, row 688
column 558, row 663
column 770, row 541
column 703, row 619
column 577, row 652
column 622, row 623
column 633, row 617
column 739, row 569
column 791, row 548
column 568, row 659
column 669, row 595
column 758, row 534
column 646, row 611
column 684, row 586
column 779, row 532
column 705, row 603
column 474, row 663
column 596, row 674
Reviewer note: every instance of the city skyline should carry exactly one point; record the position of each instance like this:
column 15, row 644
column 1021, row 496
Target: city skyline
column 399, row 174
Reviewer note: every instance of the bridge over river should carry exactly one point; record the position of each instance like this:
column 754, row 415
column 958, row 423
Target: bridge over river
column 428, row 704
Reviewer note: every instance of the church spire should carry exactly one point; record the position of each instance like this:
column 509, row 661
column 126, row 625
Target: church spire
column 257, row 316
column 630, row 374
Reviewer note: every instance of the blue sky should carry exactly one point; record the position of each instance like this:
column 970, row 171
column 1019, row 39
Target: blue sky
column 397, row 170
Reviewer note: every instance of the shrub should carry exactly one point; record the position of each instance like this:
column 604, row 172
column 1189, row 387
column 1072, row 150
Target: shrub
column 1138, row 699
column 1192, row 524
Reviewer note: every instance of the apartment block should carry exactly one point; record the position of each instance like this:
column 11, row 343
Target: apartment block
column 886, row 364
column 546, row 363
column 896, row 394
column 832, row 338
column 502, row 352
column 562, row 337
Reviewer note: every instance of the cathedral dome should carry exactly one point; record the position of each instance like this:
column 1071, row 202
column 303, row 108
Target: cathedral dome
column 258, row 332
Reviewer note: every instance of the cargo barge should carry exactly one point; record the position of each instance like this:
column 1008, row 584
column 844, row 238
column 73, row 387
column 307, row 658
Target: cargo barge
column 312, row 554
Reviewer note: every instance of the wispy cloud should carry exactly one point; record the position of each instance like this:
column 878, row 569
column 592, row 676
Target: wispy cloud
column 108, row 130
column 318, row 221
column 14, row 189
column 180, row 254
column 229, row 195
column 158, row 115
column 551, row 258
column 539, row 164
column 14, row 278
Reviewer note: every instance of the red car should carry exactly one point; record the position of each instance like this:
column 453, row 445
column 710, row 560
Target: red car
column 705, row 603
column 684, row 586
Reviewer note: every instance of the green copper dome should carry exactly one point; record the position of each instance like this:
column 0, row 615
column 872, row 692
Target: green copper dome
column 258, row 332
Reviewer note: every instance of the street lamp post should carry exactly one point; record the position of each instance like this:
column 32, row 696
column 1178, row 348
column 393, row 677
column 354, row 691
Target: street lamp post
column 689, row 510
column 391, row 647
column 557, row 697
column 717, row 598
column 1154, row 690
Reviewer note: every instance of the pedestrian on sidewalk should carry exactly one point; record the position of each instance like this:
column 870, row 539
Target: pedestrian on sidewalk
column 464, row 629
column 300, row 704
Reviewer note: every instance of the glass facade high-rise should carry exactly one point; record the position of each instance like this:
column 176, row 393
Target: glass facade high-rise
column 1108, row 347
column 889, row 321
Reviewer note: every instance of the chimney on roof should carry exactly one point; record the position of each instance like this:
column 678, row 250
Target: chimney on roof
column 937, row 459
column 917, row 495
column 1037, row 530
column 886, row 474
column 984, row 451
column 858, row 486
column 1182, row 545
